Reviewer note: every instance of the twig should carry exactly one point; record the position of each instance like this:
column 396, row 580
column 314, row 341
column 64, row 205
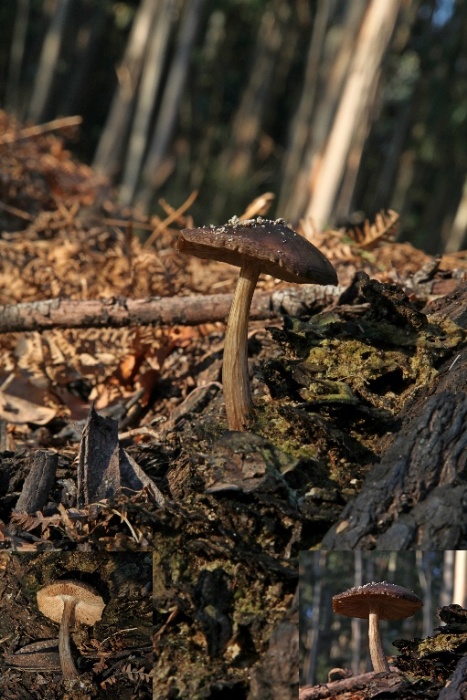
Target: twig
column 33, row 131
column 171, row 218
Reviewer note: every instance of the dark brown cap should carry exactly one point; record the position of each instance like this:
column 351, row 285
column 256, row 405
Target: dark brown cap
column 390, row 601
column 279, row 251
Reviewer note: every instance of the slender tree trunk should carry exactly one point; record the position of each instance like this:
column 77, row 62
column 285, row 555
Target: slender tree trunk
column 448, row 578
column 424, row 578
column 319, row 563
column 18, row 42
column 457, row 236
column 355, row 623
column 247, row 123
column 460, row 578
column 87, row 44
column 373, row 40
column 173, row 92
column 43, row 83
column 147, row 95
column 248, row 119
column 345, row 195
column 111, row 144
column 299, row 129
column 333, row 69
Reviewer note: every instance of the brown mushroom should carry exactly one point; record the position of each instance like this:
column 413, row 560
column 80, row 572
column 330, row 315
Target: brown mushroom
column 256, row 245
column 377, row 601
column 67, row 602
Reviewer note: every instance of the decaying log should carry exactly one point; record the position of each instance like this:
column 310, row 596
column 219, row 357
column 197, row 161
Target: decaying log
column 184, row 311
column 416, row 495
column 38, row 482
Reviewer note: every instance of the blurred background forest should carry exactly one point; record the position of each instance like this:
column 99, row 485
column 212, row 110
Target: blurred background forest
column 337, row 108
column 329, row 640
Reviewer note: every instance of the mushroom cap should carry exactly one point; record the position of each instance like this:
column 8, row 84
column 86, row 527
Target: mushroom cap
column 89, row 604
column 390, row 601
column 278, row 250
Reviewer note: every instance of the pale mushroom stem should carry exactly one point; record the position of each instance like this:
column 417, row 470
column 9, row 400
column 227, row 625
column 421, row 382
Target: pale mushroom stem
column 235, row 378
column 69, row 669
column 378, row 657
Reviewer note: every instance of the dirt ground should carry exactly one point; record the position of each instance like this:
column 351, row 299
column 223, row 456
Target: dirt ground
column 219, row 516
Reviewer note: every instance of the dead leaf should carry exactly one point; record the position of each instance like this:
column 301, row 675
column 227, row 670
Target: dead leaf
column 16, row 410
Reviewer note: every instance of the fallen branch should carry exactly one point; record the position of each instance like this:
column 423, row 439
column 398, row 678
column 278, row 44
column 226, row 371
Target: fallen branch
column 183, row 311
column 368, row 684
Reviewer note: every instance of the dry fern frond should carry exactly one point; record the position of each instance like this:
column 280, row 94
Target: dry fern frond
column 29, row 522
column 131, row 672
column 369, row 236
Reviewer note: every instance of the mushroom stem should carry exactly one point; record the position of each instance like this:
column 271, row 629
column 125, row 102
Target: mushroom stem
column 378, row 657
column 235, row 378
column 69, row 669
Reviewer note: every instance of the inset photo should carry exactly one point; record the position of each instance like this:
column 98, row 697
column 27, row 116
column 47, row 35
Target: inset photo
column 76, row 625
column 392, row 621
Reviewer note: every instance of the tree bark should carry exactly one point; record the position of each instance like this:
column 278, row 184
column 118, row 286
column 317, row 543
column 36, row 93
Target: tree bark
column 415, row 496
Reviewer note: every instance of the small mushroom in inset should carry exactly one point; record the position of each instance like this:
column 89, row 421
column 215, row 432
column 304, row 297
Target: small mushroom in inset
column 69, row 602
column 256, row 245
column 377, row 601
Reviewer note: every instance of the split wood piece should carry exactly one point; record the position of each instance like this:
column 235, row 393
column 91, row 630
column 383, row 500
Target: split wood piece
column 255, row 246
column 69, row 602
column 375, row 602
column 38, row 483
column 104, row 467
column 367, row 685
column 172, row 311
column 98, row 462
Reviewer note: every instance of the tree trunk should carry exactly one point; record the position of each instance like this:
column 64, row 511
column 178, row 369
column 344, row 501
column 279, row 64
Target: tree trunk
column 460, row 579
column 45, row 75
column 111, row 144
column 373, row 40
column 247, row 123
column 173, row 92
column 18, row 43
column 314, row 120
column 299, row 131
column 150, row 84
